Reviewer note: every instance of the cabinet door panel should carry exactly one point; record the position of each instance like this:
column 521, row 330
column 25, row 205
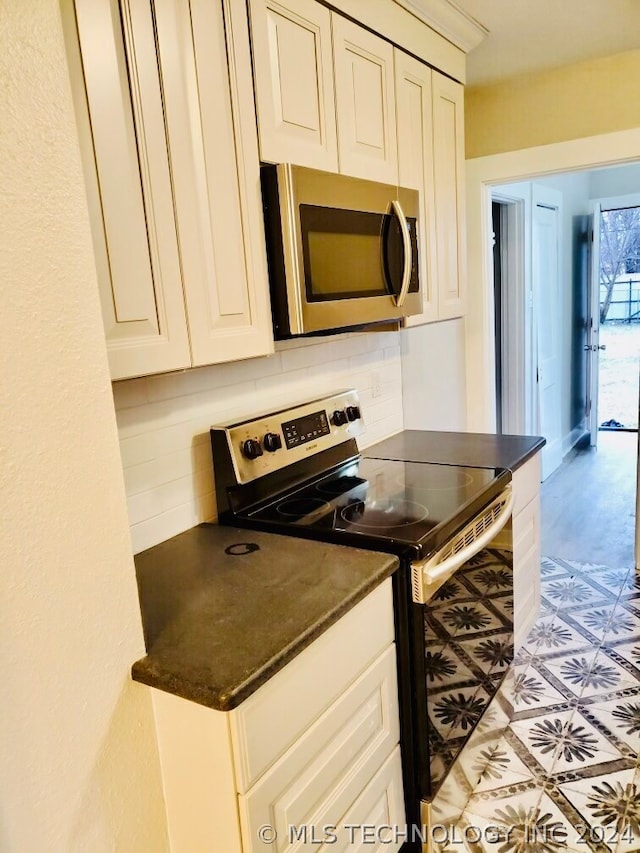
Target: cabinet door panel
column 204, row 55
column 381, row 804
column 526, row 569
column 448, row 151
column 294, row 82
column 131, row 203
column 365, row 102
column 318, row 778
column 526, row 483
column 415, row 167
column 261, row 733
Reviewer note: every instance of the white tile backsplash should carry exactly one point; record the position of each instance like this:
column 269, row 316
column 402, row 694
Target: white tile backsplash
column 164, row 421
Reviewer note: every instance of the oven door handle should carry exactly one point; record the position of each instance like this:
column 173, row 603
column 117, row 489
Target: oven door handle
column 429, row 574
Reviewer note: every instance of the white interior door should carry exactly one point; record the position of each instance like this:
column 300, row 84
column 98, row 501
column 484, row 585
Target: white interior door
column 546, row 272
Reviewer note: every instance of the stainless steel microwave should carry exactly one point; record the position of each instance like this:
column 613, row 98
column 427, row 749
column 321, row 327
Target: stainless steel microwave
column 342, row 252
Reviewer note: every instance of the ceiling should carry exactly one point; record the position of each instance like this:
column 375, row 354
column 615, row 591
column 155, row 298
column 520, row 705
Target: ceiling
column 533, row 35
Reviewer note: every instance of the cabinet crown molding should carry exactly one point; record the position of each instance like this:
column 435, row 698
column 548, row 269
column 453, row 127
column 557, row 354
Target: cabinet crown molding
column 449, row 20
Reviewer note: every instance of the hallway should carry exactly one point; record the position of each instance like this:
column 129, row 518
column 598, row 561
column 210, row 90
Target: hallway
column 588, row 504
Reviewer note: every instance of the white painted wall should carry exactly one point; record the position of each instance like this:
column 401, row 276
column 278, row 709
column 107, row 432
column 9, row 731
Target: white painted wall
column 78, row 759
column 614, row 181
column 433, row 376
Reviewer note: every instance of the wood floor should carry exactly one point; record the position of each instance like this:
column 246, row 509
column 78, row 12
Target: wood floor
column 588, row 504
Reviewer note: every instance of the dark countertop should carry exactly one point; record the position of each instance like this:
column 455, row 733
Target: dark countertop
column 217, row 626
column 475, row 449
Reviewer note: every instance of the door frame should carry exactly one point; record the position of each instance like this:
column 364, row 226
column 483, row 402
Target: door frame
column 599, row 205
column 518, row 409
column 593, row 326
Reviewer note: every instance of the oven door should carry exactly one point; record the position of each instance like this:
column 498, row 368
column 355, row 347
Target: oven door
column 467, row 625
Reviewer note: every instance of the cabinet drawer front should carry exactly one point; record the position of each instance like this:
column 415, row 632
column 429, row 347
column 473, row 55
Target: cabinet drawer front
column 277, row 714
column 526, row 483
column 317, row 780
column 381, row 805
column 293, row 78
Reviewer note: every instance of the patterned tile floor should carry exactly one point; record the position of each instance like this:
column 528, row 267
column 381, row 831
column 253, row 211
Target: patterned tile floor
column 565, row 774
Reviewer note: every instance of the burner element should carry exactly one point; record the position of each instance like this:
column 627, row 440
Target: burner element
column 384, row 514
column 300, row 507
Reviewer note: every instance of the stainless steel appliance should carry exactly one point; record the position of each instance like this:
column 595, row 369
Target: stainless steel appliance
column 299, row 472
column 342, row 252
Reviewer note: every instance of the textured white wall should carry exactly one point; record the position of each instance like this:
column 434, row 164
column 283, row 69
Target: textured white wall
column 78, row 758
column 433, row 376
column 164, row 421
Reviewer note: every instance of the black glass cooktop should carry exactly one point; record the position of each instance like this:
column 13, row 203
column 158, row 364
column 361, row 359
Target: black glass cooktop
column 391, row 502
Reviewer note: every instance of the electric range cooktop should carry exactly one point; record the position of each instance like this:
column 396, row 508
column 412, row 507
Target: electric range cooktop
column 299, row 471
column 403, row 503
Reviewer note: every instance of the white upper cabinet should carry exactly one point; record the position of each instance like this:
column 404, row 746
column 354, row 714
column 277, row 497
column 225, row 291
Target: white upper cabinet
column 365, row 102
column 174, row 189
column 206, row 66
column 397, row 121
column 431, row 159
column 130, row 191
column 448, row 154
column 294, row 82
column 415, row 167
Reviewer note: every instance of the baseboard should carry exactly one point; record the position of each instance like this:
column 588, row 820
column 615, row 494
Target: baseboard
column 570, row 440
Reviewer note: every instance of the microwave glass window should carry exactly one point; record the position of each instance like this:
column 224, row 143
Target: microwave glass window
column 341, row 246
column 336, row 258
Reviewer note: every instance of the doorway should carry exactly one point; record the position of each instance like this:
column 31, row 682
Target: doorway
column 528, row 268
column 615, row 457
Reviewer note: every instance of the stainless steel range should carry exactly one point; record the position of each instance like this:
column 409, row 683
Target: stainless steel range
column 299, row 472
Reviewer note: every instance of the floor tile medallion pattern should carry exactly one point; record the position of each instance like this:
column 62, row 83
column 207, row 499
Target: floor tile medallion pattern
column 558, row 769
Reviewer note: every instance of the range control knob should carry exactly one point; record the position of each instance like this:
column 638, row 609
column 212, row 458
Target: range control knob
column 251, row 448
column 339, row 417
column 272, row 442
column 353, row 413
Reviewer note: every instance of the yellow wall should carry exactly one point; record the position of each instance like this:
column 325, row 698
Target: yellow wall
column 575, row 101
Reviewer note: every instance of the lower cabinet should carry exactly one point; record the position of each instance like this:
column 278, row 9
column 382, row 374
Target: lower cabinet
column 310, row 757
column 526, row 547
